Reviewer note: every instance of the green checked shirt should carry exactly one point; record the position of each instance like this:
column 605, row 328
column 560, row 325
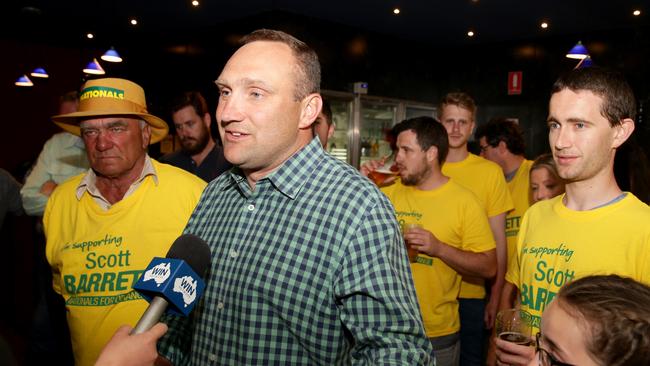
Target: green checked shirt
column 308, row 269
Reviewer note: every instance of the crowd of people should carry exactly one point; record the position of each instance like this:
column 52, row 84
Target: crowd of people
column 313, row 263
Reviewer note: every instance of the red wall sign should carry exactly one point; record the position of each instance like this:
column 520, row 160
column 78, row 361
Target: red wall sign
column 515, row 79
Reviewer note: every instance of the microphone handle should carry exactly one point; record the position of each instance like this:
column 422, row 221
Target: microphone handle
column 151, row 316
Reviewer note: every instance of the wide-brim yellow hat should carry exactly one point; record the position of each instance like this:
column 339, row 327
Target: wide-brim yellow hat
column 112, row 97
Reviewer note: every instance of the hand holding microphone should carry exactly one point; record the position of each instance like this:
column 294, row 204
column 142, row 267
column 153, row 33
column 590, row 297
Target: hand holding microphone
column 176, row 280
column 132, row 350
column 175, row 284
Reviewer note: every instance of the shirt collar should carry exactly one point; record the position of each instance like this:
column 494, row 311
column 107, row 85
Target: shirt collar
column 89, row 181
column 291, row 176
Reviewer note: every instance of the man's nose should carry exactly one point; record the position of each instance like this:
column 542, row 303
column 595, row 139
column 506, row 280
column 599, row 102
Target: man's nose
column 103, row 141
column 562, row 138
column 230, row 110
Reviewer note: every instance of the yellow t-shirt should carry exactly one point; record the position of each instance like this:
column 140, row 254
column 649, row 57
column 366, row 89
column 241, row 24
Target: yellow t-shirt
column 454, row 215
column 557, row 245
column 96, row 255
column 519, row 187
column 485, row 179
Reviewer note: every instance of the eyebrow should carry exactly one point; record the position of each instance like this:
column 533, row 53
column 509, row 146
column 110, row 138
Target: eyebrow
column 184, row 122
column 569, row 120
column 247, row 82
column 117, row 123
column 120, row 123
column 579, row 120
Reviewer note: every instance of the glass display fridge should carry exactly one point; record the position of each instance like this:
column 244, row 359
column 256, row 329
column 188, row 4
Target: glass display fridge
column 363, row 122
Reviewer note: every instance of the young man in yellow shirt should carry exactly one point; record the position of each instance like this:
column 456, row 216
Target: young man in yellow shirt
column 594, row 228
column 457, row 112
column 454, row 238
column 502, row 142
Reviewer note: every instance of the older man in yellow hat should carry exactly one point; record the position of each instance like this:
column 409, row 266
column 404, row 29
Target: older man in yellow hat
column 104, row 226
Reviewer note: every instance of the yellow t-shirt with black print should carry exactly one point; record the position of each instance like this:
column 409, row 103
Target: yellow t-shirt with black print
column 485, row 179
column 557, row 245
column 454, row 216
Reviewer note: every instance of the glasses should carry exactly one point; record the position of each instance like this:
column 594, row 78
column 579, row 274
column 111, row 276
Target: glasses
column 545, row 358
column 484, row 147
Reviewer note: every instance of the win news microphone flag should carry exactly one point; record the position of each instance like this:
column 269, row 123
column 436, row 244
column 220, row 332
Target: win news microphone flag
column 174, row 283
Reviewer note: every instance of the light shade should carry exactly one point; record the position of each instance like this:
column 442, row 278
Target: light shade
column 578, row 52
column 24, row 81
column 39, row 72
column 94, row 68
column 111, row 56
column 585, row 62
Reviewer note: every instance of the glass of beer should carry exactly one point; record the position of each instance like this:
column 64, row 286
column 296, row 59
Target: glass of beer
column 383, row 172
column 514, row 325
column 412, row 252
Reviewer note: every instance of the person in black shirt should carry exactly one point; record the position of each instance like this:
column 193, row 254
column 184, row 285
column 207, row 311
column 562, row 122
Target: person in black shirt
column 199, row 154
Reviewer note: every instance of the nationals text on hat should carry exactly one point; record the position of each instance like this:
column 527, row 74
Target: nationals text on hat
column 112, row 97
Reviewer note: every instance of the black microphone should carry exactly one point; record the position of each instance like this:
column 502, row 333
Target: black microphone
column 175, row 281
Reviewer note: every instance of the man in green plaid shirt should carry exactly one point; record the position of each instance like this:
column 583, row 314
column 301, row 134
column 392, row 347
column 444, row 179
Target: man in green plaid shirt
column 308, row 264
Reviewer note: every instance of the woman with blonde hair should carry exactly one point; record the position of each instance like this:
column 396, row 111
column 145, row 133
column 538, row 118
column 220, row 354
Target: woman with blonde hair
column 545, row 182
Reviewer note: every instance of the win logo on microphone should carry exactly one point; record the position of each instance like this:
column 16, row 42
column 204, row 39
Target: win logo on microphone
column 159, row 273
column 186, row 286
column 175, row 281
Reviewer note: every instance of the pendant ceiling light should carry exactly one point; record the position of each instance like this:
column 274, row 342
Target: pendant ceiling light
column 24, row 81
column 94, row 68
column 40, row 72
column 111, row 56
column 578, row 52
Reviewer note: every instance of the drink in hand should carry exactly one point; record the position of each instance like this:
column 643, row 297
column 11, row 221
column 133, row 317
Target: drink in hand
column 380, row 175
column 412, row 252
column 514, row 325
column 384, row 172
column 516, row 338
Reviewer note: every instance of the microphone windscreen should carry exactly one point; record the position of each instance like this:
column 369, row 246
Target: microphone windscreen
column 193, row 250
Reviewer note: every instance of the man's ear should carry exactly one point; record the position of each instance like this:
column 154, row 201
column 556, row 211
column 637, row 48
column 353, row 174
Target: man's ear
column 622, row 132
column 146, row 136
column 432, row 154
column 207, row 120
column 502, row 146
column 310, row 106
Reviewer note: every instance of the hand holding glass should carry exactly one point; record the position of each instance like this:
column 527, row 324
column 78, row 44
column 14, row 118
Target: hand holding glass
column 412, row 252
column 514, row 325
column 383, row 172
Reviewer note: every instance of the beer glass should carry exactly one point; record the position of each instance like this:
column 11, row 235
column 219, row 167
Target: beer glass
column 384, row 172
column 514, row 325
column 412, row 252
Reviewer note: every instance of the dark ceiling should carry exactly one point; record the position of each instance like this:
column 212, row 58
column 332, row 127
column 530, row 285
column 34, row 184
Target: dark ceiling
column 434, row 22
column 417, row 55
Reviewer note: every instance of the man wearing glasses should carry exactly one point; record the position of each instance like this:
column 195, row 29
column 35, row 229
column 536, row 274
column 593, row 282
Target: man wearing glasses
column 502, row 141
